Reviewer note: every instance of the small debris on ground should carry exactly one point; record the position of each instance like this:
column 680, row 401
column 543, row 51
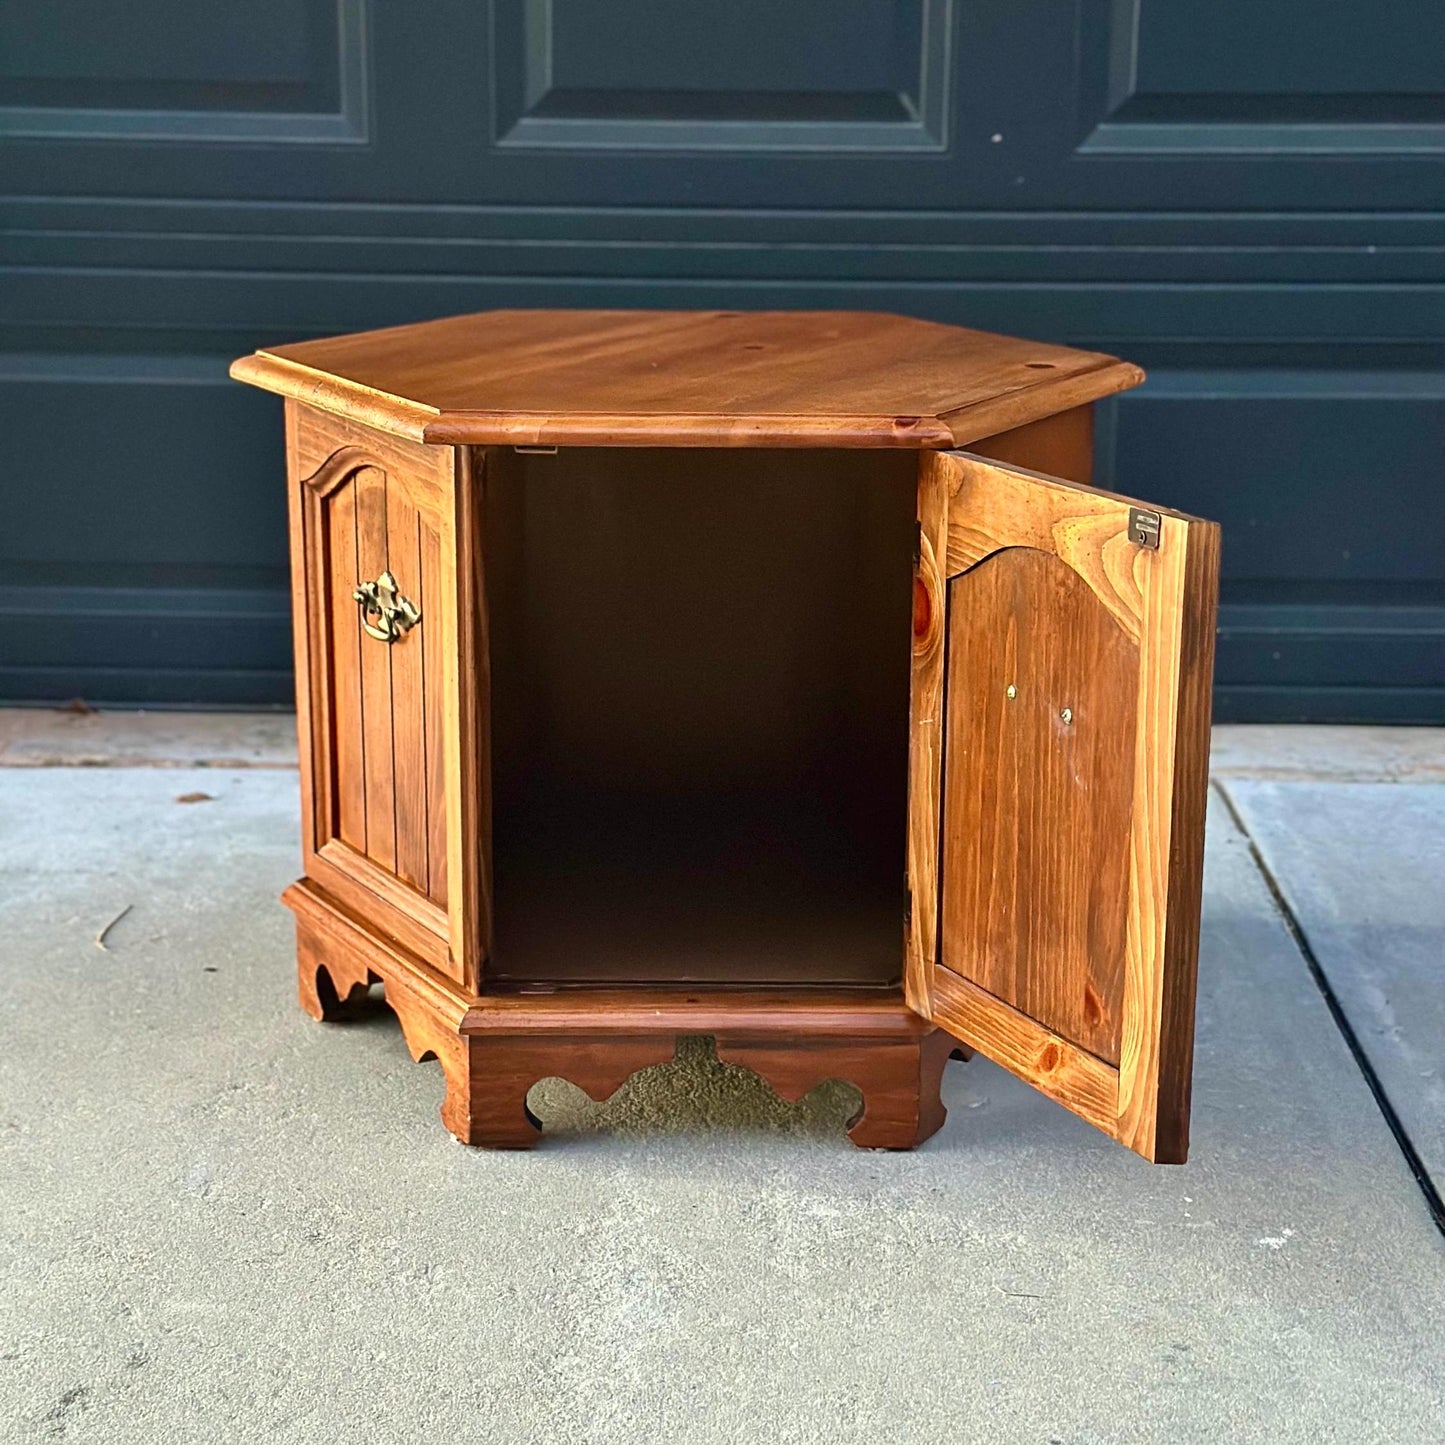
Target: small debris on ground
column 196, row 798
column 1276, row 1241
column 104, row 932
column 79, row 707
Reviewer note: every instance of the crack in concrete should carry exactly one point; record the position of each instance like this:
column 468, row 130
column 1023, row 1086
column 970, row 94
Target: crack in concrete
column 1433, row 1201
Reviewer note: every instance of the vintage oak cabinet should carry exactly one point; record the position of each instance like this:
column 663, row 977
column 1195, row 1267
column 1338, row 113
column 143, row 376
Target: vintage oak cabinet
column 778, row 677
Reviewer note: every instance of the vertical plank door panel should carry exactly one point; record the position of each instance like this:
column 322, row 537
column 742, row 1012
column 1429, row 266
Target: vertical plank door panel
column 372, row 560
column 408, row 701
column 342, row 574
column 1061, row 721
column 434, row 692
column 376, row 738
column 1037, row 794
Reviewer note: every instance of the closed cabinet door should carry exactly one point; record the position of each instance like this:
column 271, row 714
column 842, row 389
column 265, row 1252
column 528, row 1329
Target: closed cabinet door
column 1063, row 651
column 376, row 575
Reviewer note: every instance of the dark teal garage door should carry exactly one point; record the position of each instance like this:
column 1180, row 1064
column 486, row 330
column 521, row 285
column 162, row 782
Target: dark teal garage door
column 1247, row 197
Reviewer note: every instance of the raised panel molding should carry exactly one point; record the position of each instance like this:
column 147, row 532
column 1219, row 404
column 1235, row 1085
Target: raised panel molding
column 330, row 104
column 1121, row 114
column 539, row 104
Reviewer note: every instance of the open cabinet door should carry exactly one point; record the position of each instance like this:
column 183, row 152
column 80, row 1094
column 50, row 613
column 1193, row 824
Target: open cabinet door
column 1062, row 660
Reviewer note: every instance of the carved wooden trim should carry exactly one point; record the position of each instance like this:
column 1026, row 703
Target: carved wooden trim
column 427, row 1005
column 899, row 1079
column 991, row 508
column 491, row 1058
column 420, row 489
column 341, row 464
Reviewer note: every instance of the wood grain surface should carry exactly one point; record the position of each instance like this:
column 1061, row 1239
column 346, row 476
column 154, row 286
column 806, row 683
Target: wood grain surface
column 698, row 671
column 1061, row 445
column 378, row 754
column 434, row 729
column 410, row 775
column 1038, row 794
column 1071, row 849
column 377, row 715
column 1056, row 757
column 493, row 1050
column 687, row 378
column 338, row 560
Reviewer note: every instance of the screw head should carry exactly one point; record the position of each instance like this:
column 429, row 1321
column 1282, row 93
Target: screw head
column 1067, row 715
column 1011, row 692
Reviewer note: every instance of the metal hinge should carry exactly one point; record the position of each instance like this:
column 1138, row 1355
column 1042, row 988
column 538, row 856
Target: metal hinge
column 1145, row 527
column 917, row 543
column 907, row 908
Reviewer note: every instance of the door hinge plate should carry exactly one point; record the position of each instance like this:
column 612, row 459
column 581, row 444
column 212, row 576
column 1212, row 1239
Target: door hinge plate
column 1145, row 527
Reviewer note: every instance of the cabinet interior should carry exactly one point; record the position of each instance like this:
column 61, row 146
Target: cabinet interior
column 700, row 672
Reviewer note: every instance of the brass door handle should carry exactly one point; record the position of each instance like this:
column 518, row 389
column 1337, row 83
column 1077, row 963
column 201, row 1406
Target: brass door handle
column 394, row 615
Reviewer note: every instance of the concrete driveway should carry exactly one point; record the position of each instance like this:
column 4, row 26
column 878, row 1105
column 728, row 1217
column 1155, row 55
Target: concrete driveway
column 220, row 1221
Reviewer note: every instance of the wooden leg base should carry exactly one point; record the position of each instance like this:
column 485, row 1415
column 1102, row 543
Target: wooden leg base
column 493, row 1051
column 898, row 1079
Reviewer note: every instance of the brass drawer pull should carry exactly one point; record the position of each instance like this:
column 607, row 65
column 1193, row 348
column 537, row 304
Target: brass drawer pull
column 395, row 615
